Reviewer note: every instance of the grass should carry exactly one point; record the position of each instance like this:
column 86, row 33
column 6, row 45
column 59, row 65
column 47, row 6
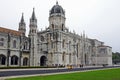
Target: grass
column 109, row 74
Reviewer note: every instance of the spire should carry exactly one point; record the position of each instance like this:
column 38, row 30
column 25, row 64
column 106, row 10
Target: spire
column 84, row 34
column 22, row 25
column 22, row 18
column 33, row 14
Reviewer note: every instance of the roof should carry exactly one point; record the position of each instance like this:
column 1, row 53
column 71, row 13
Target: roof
column 104, row 46
column 12, row 32
column 57, row 9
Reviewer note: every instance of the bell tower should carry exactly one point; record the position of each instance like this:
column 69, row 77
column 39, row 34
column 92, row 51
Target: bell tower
column 33, row 40
column 33, row 24
column 57, row 18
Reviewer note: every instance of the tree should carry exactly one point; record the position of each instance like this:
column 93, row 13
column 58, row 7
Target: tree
column 116, row 57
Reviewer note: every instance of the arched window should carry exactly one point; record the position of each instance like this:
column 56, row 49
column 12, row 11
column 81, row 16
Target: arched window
column 14, row 43
column 25, row 61
column 14, row 60
column 1, row 41
column 2, row 60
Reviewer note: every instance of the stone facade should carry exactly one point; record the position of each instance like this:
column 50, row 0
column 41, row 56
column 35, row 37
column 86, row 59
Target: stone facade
column 54, row 46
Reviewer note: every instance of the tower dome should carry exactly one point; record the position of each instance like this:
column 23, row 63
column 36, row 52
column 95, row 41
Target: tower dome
column 57, row 9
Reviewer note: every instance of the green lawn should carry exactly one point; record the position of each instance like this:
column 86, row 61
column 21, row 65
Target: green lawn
column 109, row 74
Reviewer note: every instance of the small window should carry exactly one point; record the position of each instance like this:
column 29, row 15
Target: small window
column 42, row 38
column 102, row 51
column 1, row 41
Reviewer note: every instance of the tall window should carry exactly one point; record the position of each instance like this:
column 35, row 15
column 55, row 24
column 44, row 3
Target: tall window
column 63, row 43
column 62, row 27
column 52, row 26
column 69, row 45
column 52, row 45
column 1, row 41
column 25, row 45
column 70, row 58
column 63, row 57
column 2, row 60
column 14, row 60
column 14, row 44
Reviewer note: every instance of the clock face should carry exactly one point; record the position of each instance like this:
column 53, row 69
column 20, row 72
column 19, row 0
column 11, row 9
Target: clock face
column 42, row 38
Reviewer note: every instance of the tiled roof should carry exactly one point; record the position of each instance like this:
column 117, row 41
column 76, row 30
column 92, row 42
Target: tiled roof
column 12, row 32
column 104, row 46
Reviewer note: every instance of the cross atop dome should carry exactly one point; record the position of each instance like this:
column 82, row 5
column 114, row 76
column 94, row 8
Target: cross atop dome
column 57, row 9
column 56, row 2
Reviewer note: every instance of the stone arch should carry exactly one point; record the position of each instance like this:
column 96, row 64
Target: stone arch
column 14, row 60
column 25, row 61
column 43, row 60
column 2, row 59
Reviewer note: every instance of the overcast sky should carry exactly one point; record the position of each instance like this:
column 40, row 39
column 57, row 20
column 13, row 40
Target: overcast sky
column 100, row 19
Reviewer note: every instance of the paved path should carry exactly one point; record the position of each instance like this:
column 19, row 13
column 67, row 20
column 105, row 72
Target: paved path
column 23, row 72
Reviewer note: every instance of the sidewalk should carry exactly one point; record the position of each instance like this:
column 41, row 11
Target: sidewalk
column 28, row 69
column 42, row 68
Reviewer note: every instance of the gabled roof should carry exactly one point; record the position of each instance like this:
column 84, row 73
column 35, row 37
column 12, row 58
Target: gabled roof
column 12, row 32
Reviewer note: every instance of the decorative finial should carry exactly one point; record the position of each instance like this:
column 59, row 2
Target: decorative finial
column 33, row 14
column 22, row 13
column 33, row 9
column 22, row 18
column 56, row 2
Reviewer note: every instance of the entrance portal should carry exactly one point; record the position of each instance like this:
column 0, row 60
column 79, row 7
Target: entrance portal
column 43, row 60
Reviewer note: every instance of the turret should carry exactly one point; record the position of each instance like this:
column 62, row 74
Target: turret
column 22, row 26
column 33, row 40
column 33, row 24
